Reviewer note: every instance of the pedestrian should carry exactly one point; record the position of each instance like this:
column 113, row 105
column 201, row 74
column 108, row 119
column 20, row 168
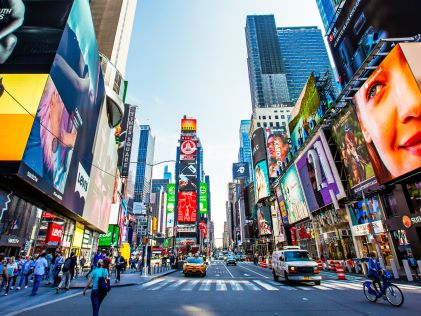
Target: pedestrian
column 13, row 265
column 82, row 262
column 97, row 295
column 25, row 272
column 39, row 271
column 106, row 260
column 98, row 256
column 49, row 258
column 412, row 262
column 67, row 275
column 57, row 268
column 4, row 276
column 119, row 265
column 73, row 265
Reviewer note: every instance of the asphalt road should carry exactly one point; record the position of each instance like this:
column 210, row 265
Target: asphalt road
column 235, row 290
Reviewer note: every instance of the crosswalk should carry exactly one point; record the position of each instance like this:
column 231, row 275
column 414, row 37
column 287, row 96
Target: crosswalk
column 253, row 285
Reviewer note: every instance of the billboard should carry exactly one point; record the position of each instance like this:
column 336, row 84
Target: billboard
column 30, row 32
column 364, row 212
column 258, row 146
column 281, row 204
column 261, row 181
column 188, row 149
column 186, row 228
column 362, row 24
column 319, row 177
column 240, row 171
column 18, row 106
column 346, row 132
column 264, row 221
column 388, row 107
column 277, row 150
column 188, row 125
column 110, row 238
column 203, row 198
column 184, row 241
column 170, row 204
column 187, row 207
column 188, row 176
column 127, row 141
column 64, row 129
column 293, row 196
column 305, row 115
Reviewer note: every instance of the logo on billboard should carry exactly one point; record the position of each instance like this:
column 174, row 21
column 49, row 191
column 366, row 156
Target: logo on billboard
column 240, row 170
column 82, row 182
column 188, row 147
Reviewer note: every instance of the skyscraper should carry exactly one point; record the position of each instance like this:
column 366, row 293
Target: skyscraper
column 167, row 174
column 144, row 165
column 244, row 153
column 328, row 10
column 303, row 51
column 268, row 83
column 158, row 202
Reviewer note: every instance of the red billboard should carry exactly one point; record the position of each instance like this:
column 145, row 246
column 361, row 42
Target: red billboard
column 54, row 233
column 188, row 149
column 187, row 207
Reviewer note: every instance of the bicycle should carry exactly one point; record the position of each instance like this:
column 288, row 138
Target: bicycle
column 389, row 291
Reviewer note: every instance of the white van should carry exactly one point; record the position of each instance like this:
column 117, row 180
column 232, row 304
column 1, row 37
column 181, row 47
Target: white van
column 294, row 264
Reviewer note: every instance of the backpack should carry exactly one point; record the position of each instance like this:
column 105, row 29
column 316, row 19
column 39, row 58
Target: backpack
column 66, row 265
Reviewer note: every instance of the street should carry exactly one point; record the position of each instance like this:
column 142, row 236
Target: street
column 244, row 289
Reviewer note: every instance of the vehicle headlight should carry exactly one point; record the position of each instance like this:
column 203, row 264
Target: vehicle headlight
column 316, row 269
column 292, row 269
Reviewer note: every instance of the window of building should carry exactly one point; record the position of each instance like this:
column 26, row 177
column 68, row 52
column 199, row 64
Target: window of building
column 258, row 124
column 265, row 124
column 277, row 123
column 271, row 124
column 282, row 116
column 264, row 117
column 276, row 117
column 270, row 117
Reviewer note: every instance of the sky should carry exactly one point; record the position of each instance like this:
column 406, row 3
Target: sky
column 189, row 57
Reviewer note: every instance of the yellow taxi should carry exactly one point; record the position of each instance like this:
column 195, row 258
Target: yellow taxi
column 194, row 265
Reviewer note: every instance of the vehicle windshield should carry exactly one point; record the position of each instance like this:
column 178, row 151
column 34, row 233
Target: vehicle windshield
column 194, row 260
column 297, row 256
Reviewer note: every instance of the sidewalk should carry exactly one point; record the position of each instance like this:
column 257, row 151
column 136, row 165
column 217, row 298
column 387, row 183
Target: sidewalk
column 21, row 300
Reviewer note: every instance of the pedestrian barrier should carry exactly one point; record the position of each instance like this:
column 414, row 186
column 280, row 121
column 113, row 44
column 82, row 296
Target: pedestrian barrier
column 262, row 264
column 340, row 271
column 269, row 266
column 332, row 265
column 319, row 264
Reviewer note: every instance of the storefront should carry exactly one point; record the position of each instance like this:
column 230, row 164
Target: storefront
column 305, row 238
column 78, row 238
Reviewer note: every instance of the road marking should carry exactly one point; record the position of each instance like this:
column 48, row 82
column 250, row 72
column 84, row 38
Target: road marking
column 175, row 285
column 220, row 286
column 305, row 299
column 331, row 286
column 229, row 272
column 150, row 283
column 266, row 286
column 161, row 285
column 235, row 285
column 205, row 285
column 217, row 275
column 304, row 288
column 254, row 272
column 190, row 285
column 346, row 285
column 251, row 286
column 321, row 287
column 245, row 274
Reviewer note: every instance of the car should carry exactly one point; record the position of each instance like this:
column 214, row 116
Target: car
column 238, row 257
column 194, row 265
column 231, row 260
column 220, row 256
column 295, row 265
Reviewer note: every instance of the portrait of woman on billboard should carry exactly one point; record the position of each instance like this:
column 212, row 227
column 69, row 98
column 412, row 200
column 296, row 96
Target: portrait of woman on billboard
column 261, row 180
column 277, row 150
column 388, row 107
column 263, row 216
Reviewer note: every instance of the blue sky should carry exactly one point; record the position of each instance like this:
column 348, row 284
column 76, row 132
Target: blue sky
column 189, row 57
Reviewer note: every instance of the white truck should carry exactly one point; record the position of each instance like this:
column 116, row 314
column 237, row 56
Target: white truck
column 294, row 264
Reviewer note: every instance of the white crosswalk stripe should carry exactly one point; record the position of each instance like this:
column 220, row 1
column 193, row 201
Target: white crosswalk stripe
column 220, row 285
column 175, row 285
column 266, row 286
column 206, row 285
column 235, row 285
column 190, row 286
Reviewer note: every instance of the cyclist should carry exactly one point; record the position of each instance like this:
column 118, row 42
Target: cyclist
column 374, row 269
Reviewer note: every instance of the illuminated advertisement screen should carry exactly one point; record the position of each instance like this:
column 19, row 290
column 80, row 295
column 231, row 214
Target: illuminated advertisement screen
column 30, row 32
column 258, row 146
column 281, row 204
column 59, row 152
column 305, row 115
column 188, row 176
column 364, row 212
column 170, row 204
column 203, row 198
column 184, row 241
column 261, row 181
column 188, row 149
column 264, row 221
column 346, row 132
column 319, row 177
column 187, row 207
column 22, row 95
column 277, row 150
column 293, row 196
column 362, row 24
column 240, row 170
column 389, row 111
column 188, row 125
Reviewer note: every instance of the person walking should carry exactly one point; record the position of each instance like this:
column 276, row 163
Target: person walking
column 82, row 262
column 67, row 274
column 4, row 275
column 97, row 295
column 39, row 271
column 119, row 265
column 13, row 266
column 49, row 258
column 73, row 265
column 106, row 260
column 57, row 268
column 25, row 272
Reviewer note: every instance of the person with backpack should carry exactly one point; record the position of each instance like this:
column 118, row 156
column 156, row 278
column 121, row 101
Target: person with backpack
column 67, row 274
column 98, row 278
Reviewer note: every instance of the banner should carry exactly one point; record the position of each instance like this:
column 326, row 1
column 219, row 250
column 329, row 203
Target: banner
column 264, row 221
column 261, row 181
column 277, row 150
column 127, row 139
column 110, row 238
column 188, row 125
column 170, row 204
column 240, row 171
column 187, row 207
column 258, row 146
column 186, row 228
column 203, row 198
column 188, row 176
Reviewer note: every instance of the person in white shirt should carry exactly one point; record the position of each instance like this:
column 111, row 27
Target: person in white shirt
column 40, row 266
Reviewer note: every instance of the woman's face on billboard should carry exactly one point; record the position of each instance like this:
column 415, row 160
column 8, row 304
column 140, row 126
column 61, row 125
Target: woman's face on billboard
column 389, row 110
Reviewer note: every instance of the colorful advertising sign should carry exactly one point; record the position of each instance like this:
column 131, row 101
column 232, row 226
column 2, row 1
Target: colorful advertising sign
column 22, row 95
column 78, row 235
column 188, row 176
column 170, row 204
column 258, row 146
column 261, row 181
column 388, row 107
column 186, row 228
column 281, row 204
column 277, row 150
column 54, row 233
column 362, row 213
column 305, row 115
column 347, row 134
column 30, row 32
column 65, row 125
column 184, row 241
column 110, row 238
column 240, row 171
column 203, row 227
column 203, row 198
column 127, row 139
column 293, row 196
column 362, row 24
column 264, row 221
column 187, row 210
column 188, row 125
column 319, row 177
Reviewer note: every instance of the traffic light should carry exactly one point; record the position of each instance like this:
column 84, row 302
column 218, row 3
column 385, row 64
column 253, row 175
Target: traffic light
column 117, row 134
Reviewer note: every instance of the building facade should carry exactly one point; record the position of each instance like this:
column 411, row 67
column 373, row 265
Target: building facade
column 244, row 152
column 328, row 11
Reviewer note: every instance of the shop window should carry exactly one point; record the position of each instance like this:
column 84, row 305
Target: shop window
column 414, row 193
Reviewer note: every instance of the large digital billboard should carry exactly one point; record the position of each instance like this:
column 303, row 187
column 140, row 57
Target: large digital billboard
column 319, row 177
column 240, row 171
column 30, row 32
column 346, row 132
column 264, row 221
column 281, row 204
column 293, row 196
column 258, row 146
column 277, row 150
column 18, row 106
column 305, row 115
column 187, row 207
column 388, row 107
column 362, row 24
column 203, row 198
column 362, row 213
column 188, row 176
column 261, row 181
column 170, row 204
column 188, row 125
column 59, row 153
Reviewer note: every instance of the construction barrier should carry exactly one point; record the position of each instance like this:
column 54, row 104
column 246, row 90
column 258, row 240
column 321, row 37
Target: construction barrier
column 319, row 264
column 332, row 265
column 270, row 264
column 340, row 271
column 262, row 264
